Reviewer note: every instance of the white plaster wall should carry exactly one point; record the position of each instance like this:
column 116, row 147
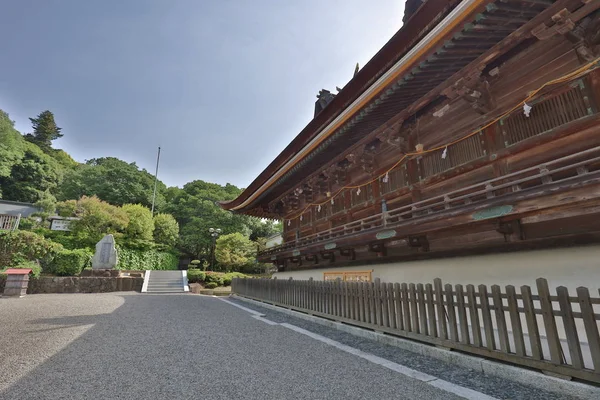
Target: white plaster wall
column 570, row 267
column 274, row 241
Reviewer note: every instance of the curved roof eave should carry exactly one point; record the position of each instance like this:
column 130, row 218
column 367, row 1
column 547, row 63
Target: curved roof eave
column 416, row 27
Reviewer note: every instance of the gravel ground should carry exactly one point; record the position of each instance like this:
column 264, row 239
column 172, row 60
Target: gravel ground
column 491, row 385
column 142, row 346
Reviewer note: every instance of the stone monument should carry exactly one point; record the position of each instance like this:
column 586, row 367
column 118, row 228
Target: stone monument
column 106, row 254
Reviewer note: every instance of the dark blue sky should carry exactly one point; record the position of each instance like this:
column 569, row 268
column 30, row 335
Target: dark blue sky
column 222, row 86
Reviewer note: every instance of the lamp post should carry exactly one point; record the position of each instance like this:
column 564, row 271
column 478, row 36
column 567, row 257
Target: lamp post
column 214, row 233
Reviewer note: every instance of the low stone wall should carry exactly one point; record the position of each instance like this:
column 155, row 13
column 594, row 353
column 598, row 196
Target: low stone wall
column 80, row 284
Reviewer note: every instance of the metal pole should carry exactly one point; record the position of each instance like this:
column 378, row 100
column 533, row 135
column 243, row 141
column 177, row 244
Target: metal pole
column 155, row 180
column 214, row 241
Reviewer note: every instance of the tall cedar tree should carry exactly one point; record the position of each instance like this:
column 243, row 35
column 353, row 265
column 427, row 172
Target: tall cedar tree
column 45, row 130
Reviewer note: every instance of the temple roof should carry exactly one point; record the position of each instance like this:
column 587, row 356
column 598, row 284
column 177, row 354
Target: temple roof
column 404, row 79
column 418, row 25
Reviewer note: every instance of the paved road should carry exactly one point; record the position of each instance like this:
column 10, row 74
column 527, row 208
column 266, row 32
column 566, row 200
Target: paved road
column 141, row 346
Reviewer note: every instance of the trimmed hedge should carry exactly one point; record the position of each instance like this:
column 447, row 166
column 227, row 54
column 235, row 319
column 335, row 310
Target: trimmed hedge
column 71, row 262
column 195, row 275
column 211, row 285
column 141, row 260
column 210, row 277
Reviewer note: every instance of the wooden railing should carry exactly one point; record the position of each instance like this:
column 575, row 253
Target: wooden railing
column 556, row 333
column 572, row 168
column 9, row 222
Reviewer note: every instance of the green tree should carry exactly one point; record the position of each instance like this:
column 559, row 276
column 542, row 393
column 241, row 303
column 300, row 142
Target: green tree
column 11, row 146
column 235, row 251
column 140, row 226
column 196, row 210
column 63, row 158
column 66, row 208
column 45, row 131
column 262, row 228
column 166, row 230
column 46, row 203
column 31, row 176
column 114, row 181
column 97, row 218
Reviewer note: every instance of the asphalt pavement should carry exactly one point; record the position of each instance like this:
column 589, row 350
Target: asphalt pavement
column 185, row 346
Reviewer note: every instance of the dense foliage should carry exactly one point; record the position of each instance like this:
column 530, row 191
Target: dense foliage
column 109, row 195
column 71, row 262
column 21, row 246
column 97, row 218
column 114, row 181
column 166, row 230
column 131, row 259
column 211, row 277
column 140, row 226
column 234, row 252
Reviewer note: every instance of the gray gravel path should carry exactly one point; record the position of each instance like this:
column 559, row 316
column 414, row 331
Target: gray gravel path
column 140, row 346
column 490, row 385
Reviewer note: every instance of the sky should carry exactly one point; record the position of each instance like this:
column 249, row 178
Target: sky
column 221, row 85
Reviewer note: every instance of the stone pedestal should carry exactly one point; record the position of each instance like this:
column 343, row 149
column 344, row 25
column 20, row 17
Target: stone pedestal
column 17, row 281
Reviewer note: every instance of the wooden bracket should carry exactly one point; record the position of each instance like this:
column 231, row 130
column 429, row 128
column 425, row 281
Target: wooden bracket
column 328, row 255
column 312, row 257
column 297, row 260
column 379, row 248
column 511, row 230
column 348, row 253
column 562, row 25
column 474, row 89
column 419, row 242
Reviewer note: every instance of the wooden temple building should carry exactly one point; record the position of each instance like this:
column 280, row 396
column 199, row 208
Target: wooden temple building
column 474, row 130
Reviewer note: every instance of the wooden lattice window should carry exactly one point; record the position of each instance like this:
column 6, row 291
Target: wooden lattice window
column 306, row 220
column 365, row 194
column 396, row 179
column 457, row 154
column 546, row 114
column 339, row 203
column 322, row 212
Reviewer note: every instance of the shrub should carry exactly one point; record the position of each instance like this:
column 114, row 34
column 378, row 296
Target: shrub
column 195, row 263
column 227, row 278
column 211, row 285
column 140, row 260
column 97, row 218
column 222, row 279
column 30, row 223
column 20, row 246
column 215, row 277
column 141, row 225
column 2, row 281
column 71, row 262
column 195, row 275
column 35, row 268
column 166, row 230
column 66, row 208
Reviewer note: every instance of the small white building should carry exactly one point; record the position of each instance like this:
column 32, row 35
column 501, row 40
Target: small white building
column 58, row 223
column 274, row 240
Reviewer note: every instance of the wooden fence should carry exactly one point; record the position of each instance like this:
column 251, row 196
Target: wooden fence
column 9, row 222
column 556, row 333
